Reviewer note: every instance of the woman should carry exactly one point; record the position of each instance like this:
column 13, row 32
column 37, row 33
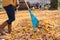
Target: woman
column 8, row 5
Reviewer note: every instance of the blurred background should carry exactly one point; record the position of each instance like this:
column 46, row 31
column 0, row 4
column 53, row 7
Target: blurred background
column 37, row 4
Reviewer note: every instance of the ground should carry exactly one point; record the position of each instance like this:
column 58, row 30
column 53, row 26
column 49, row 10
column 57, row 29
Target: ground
column 48, row 28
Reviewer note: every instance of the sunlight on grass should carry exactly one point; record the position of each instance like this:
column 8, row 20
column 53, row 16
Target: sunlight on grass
column 59, row 8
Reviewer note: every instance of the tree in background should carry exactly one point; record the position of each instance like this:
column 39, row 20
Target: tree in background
column 59, row 3
column 54, row 5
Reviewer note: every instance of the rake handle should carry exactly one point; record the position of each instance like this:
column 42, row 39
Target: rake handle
column 27, row 5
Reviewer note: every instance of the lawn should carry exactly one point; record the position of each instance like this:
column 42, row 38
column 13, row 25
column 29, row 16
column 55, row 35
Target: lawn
column 48, row 28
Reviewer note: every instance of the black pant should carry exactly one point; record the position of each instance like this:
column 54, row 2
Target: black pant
column 11, row 13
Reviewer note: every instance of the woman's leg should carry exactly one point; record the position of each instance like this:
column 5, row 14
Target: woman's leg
column 2, row 27
column 11, row 15
column 9, row 28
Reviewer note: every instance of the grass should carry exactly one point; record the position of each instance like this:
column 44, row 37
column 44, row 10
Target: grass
column 22, row 28
column 59, row 8
column 1, row 9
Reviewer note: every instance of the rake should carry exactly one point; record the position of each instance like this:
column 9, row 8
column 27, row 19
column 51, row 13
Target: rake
column 34, row 20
